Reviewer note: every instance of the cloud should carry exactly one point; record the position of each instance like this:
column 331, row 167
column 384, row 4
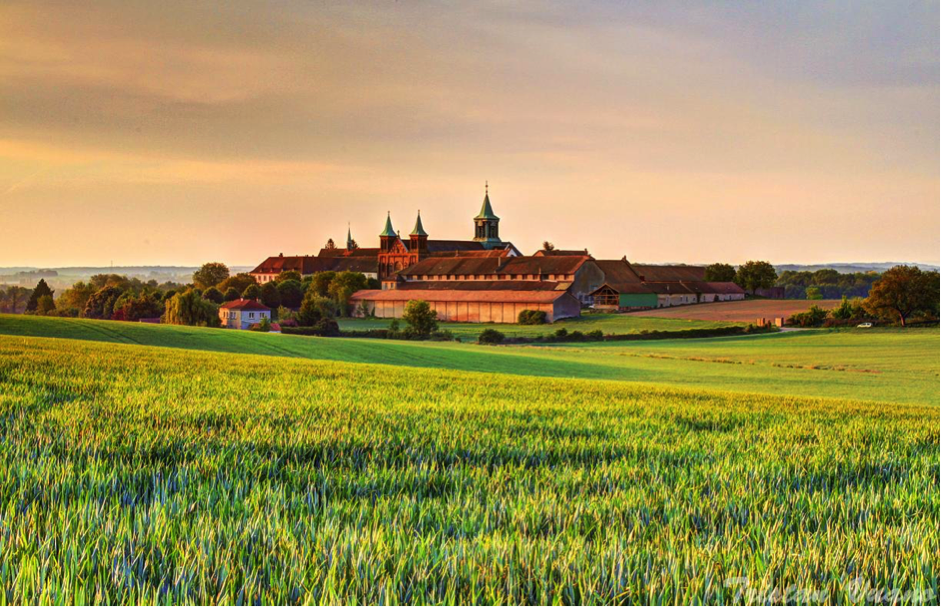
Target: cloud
column 314, row 108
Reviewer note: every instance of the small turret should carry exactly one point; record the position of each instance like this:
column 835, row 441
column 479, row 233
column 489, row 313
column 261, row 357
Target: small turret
column 487, row 224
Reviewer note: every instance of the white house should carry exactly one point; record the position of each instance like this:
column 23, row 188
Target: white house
column 243, row 313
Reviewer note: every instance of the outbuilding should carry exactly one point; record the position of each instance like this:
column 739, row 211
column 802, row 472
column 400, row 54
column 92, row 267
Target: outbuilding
column 497, row 306
column 243, row 313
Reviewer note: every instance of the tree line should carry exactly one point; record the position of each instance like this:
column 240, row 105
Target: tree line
column 899, row 295
column 293, row 299
column 819, row 284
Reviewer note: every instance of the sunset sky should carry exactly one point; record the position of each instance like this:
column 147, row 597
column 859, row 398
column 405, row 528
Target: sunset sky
column 182, row 132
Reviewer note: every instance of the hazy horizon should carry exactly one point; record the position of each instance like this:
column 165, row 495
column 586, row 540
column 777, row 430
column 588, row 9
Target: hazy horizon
column 180, row 133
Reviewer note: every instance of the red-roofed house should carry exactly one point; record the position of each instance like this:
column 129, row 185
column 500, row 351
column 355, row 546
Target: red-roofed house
column 243, row 313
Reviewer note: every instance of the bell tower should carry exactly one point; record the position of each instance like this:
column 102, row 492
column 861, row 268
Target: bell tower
column 486, row 223
column 388, row 235
column 418, row 239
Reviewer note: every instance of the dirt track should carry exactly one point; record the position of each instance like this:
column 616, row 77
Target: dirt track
column 740, row 311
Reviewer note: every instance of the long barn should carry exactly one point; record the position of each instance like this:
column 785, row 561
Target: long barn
column 497, row 306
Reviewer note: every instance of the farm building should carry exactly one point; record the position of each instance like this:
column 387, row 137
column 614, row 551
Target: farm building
column 478, row 305
column 579, row 273
column 307, row 265
column 492, row 272
column 394, row 253
column 243, row 313
column 637, row 287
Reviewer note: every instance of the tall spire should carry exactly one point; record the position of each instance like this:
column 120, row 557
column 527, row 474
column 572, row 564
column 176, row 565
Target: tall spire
column 419, row 229
column 486, row 211
column 349, row 237
column 388, row 231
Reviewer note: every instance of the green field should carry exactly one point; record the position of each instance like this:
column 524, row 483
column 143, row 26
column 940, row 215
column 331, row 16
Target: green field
column 880, row 365
column 153, row 475
column 606, row 323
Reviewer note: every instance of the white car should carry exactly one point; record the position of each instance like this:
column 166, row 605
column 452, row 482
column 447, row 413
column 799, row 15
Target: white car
column 864, row 325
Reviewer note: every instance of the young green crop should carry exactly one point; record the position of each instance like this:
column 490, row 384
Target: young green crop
column 150, row 475
column 874, row 365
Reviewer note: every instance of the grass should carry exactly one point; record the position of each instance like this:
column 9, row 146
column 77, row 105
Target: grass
column 607, row 323
column 887, row 366
column 132, row 474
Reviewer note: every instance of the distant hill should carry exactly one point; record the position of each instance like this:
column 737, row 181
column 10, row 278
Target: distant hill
column 64, row 277
column 849, row 268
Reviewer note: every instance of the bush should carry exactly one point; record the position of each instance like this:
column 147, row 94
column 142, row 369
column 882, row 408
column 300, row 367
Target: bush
column 263, row 327
column 531, row 317
column 813, row 317
column 561, row 333
column 442, row 336
column 491, row 336
column 595, row 335
column 325, row 327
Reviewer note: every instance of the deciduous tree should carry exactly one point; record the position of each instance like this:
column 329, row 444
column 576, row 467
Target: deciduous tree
column 291, row 293
column 422, row 321
column 190, row 309
column 315, row 308
column 720, row 272
column 214, row 295
column 270, row 296
column 288, row 275
column 252, row 292
column 239, row 282
column 755, row 275
column 903, row 291
column 210, row 275
column 101, row 303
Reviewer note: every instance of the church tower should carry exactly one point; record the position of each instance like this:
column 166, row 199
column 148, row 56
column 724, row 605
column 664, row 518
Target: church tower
column 486, row 224
column 388, row 236
column 418, row 238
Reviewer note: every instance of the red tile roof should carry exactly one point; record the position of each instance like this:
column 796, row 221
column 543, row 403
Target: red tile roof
column 245, row 304
column 491, row 296
column 669, row 288
column 308, row 264
column 484, row 285
column 632, row 288
column 559, row 253
column 465, row 266
column 455, row 245
column 650, row 273
column 617, row 271
column 348, row 253
column 723, row 288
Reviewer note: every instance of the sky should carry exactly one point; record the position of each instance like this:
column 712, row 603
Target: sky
column 180, row 132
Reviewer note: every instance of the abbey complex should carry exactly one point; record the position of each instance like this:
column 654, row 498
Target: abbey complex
column 487, row 279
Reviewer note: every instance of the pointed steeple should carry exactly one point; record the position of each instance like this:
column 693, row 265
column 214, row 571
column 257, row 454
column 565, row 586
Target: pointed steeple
column 349, row 237
column 419, row 229
column 388, row 231
column 486, row 211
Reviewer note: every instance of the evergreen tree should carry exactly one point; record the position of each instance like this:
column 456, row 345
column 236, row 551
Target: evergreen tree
column 41, row 290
